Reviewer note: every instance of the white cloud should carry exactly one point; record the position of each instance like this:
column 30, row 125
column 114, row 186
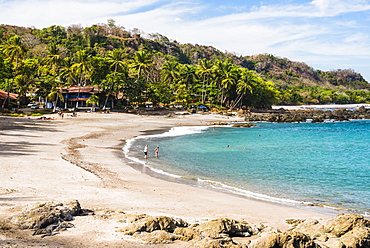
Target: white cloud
column 321, row 32
column 44, row 13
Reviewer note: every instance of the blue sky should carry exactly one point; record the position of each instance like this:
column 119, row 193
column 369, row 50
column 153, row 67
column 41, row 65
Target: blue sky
column 325, row 34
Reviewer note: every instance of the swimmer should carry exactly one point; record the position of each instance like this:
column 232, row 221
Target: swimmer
column 146, row 151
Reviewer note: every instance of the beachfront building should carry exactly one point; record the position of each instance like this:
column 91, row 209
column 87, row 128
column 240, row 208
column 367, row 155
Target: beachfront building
column 76, row 96
column 4, row 98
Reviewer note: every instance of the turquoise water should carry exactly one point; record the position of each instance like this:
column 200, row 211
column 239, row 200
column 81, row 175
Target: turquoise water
column 293, row 163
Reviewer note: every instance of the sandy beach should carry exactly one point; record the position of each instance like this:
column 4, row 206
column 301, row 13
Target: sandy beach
column 80, row 158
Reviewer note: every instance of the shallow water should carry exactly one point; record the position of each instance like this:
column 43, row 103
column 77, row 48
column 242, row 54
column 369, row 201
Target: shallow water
column 291, row 163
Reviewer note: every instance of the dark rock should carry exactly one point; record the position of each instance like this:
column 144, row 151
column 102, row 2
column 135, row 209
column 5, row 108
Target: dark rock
column 243, row 125
column 218, row 123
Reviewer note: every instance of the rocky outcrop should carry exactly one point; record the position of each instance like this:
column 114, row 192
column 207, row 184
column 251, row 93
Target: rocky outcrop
column 314, row 115
column 47, row 217
column 149, row 224
column 226, row 226
column 343, row 231
column 220, row 123
column 243, row 125
column 215, row 233
column 287, row 239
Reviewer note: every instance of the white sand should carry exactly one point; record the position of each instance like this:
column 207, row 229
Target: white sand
column 33, row 171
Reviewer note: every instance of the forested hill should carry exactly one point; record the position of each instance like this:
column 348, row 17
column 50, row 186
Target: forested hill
column 296, row 82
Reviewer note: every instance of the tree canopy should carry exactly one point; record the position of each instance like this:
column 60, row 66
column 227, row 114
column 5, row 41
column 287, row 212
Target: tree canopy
column 156, row 69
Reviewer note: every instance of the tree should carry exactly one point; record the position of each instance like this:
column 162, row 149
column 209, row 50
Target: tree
column 94, row 101
column 170, row 72
column 226, row 76
column 25, row 81
column 53, row 62
column 140, row 66
column 142, row 61
column 81, row 69
column 244, row 85
column 205, row 71
column 116, row 63
column 14, row 50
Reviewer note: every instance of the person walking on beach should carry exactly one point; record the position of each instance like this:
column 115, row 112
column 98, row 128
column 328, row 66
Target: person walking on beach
column 146, row 151
column 156, row 151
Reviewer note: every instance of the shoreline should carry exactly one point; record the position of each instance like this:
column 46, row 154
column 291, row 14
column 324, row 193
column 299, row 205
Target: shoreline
column 81, row 158
column 140, row 165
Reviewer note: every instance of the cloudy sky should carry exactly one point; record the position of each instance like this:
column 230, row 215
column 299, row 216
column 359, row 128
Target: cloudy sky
column 325, row 34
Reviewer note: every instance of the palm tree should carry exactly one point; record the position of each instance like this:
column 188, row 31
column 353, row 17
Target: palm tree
column 205, row 71
column 142, row 61
column 116, row 63
column 26, row 78
column 81, row 69
column 243, row 86
column 14, row 50
column 94, row 101
column 227, row 74
column 170, row 72
column 54, row 61
column 189, row 78
column 141, row 64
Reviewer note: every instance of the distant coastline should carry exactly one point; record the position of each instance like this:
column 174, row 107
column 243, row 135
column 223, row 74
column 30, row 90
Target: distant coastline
column 321, row 107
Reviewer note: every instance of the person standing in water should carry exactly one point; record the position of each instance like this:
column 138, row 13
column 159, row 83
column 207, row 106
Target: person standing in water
column 156, row 151
column 146, row 151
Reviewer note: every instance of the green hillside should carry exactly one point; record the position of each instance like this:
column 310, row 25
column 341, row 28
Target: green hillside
column 135, row 68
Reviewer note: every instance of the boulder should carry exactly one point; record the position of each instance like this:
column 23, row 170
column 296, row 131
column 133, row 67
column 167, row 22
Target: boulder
column 244, row 125
column 46, row 214
column 267, row 240
column 218, row 123
column 296, row 240
column 284, row 240
column 344, row 223
column 357, row 237
column 157, row 237
column 187, row 234
column 216, row 243
column 312, row 228
column 151, row 224
column 227, row 226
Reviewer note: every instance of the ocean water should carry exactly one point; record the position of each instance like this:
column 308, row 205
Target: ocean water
column 304, row 164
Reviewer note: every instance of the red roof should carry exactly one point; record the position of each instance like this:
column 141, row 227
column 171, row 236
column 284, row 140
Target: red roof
column 4, row 95
column 81, row 89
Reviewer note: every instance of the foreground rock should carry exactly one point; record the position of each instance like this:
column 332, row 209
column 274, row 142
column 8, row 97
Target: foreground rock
column 346, row 230
column 47, row 218
column 343, row 231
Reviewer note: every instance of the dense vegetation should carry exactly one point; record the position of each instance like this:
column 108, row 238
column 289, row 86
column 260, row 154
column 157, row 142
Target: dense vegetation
column 134, row 69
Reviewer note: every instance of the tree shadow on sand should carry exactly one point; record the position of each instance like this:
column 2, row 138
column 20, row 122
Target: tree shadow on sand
column 26, row 128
